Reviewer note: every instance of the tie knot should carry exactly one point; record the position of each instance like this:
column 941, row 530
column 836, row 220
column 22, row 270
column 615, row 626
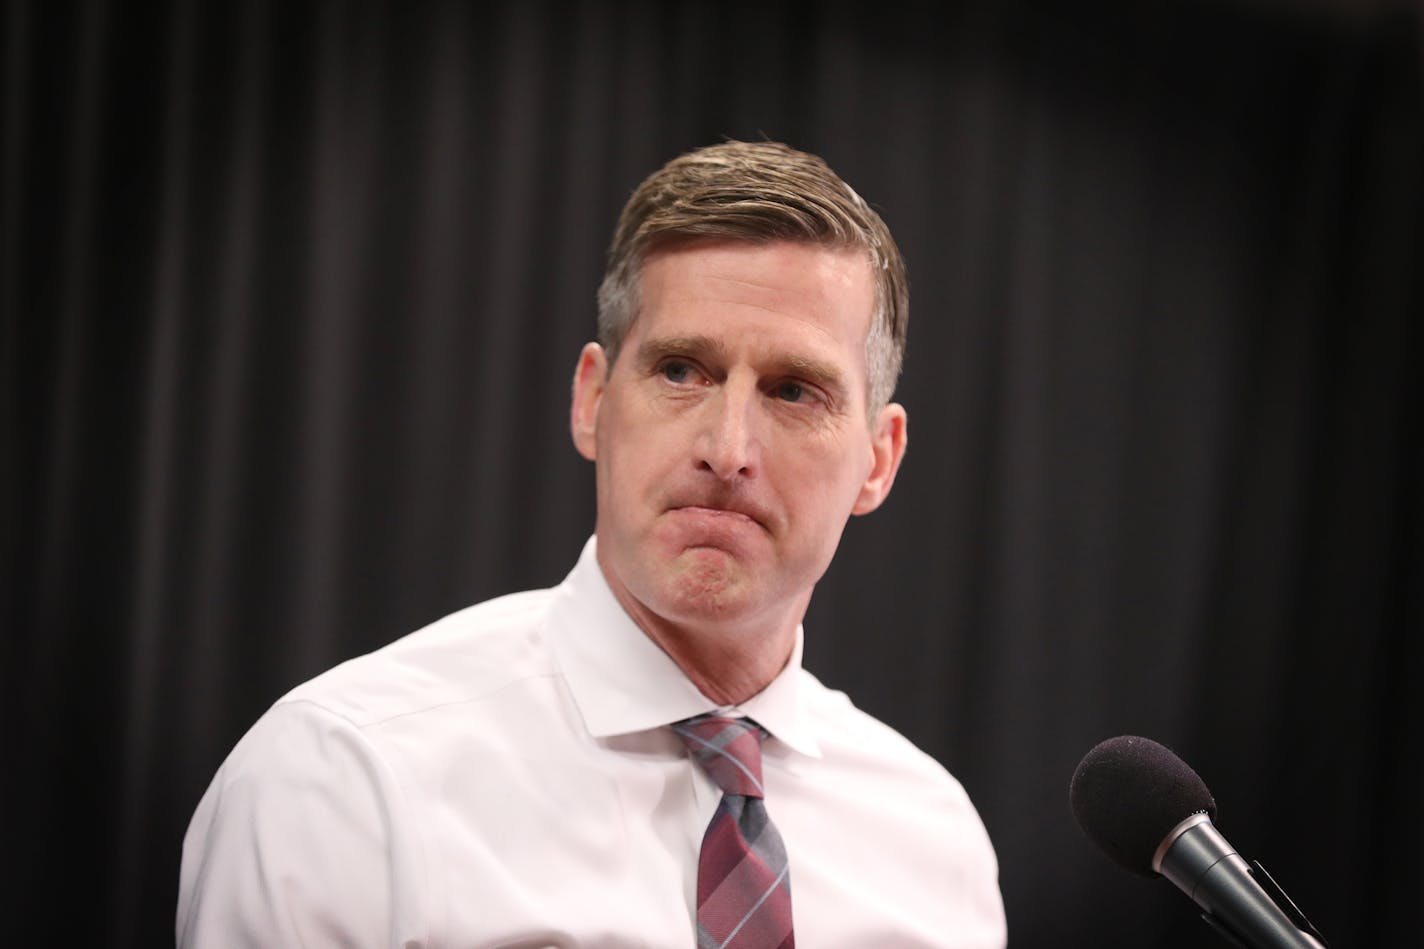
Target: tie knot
column 728, row 749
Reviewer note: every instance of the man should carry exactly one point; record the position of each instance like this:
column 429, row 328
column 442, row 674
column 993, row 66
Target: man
column 636, row 758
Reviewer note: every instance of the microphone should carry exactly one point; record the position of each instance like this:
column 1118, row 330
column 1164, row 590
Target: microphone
column 1151, row 813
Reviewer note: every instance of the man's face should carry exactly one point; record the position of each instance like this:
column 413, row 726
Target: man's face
column 731, row 438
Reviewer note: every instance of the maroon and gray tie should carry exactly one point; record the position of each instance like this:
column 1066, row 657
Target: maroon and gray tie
column 743, row 888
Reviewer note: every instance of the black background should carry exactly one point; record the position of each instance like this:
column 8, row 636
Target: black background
column 292, row 295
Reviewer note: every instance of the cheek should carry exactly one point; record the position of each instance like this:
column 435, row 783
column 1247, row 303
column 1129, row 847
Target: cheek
column 822, row 485
column 630, row 453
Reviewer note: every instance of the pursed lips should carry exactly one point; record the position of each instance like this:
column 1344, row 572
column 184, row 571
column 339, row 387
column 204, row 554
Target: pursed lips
column 730, row 510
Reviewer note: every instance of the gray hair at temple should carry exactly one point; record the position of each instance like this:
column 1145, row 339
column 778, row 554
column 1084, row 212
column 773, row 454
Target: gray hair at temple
column 757, row 192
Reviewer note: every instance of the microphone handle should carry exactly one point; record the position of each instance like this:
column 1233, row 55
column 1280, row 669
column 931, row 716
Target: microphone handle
column 1204, row 866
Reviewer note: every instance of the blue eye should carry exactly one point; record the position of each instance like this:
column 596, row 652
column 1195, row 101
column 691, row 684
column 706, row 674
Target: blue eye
column 676, row 371
column 790, row 391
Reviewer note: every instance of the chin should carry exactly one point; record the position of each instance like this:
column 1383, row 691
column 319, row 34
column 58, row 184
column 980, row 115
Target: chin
column 708, row 587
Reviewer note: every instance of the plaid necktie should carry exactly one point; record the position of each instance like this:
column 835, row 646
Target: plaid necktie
column 743, row 888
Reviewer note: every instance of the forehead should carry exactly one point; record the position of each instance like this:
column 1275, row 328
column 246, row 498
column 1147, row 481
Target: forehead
column 828, row 291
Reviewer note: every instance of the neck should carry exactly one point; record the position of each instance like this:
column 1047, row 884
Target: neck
column 729, row 660
column 727, row 672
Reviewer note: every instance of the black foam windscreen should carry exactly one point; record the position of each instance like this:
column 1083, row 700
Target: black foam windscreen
column 1129, row 792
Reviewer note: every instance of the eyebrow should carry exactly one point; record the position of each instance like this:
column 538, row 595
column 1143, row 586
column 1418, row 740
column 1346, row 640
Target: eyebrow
column 662, row 347
column 820, row 374
column 815, row 371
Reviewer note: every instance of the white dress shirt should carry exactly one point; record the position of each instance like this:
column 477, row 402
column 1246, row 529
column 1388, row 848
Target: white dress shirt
column 505, row 777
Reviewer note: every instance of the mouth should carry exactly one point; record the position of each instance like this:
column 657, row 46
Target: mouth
column 729, row 512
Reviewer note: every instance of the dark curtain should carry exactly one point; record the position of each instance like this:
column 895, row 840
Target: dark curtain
column 292, row 295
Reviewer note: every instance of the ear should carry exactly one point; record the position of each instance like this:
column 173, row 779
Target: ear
column 590, row 377
column 887, row 449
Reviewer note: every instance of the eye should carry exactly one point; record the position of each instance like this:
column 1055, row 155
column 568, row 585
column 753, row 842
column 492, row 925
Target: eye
column 676, row 371
column 790, row 391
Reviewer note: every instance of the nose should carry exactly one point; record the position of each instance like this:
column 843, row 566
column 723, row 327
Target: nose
column 728, row 443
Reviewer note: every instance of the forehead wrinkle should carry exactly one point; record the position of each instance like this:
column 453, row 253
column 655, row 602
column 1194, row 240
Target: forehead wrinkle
column 815, row 297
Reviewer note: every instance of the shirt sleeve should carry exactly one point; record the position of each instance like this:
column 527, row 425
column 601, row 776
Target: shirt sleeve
column 304, row 838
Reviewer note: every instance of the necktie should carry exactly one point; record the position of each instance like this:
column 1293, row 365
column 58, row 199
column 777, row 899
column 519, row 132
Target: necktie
column 743, row 888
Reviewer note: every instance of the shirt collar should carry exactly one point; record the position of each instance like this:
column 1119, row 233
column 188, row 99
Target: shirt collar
column 623, row 682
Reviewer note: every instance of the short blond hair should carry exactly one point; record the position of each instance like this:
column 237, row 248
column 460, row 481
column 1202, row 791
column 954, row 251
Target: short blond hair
column 757, row 192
